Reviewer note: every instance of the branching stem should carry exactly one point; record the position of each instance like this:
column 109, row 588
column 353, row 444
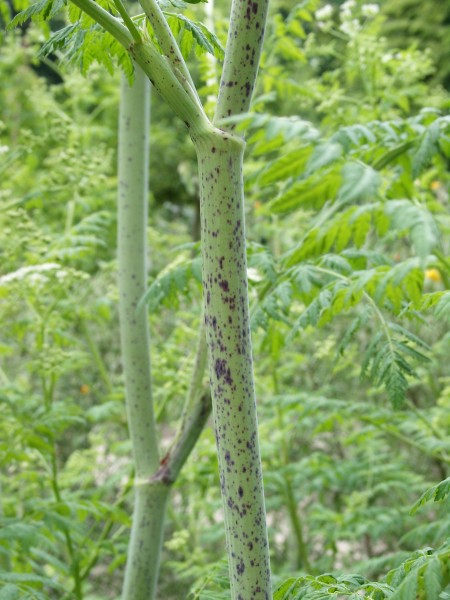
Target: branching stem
column 167, row 40
column 128, row 21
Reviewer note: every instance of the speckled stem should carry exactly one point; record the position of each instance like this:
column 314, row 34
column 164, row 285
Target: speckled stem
column 169, row 75
column 150, row 500
column 243, row 50
column 166, row 38
column 230, row 357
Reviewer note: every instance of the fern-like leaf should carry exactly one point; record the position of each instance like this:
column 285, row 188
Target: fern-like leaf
column 437, row 493
column 42, row 10
column 193, row 33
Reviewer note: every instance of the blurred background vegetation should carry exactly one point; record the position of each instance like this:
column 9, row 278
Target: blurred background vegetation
column 347, row 206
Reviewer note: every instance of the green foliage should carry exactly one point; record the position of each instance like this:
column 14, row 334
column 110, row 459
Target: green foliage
column 347, row 212
column 424, row 575
column 437, row 493
column 173, row 281
column 190, row 34
column 422, row 23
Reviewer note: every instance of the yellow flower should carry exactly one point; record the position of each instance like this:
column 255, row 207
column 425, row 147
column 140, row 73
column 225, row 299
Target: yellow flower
column 435, row 185
column 433, row 275
column 85, row 389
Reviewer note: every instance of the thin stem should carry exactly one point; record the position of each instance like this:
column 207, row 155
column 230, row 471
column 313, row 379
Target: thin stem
column 172, row 86
column 301, row 559
column 128, row 21
column 422, row 417
column 106, row 530
column 370, row 300
column 132, row 265
column 407, row 440
column 166, row 39
column 196, row 411
column 75, row 566
column 96, row 356
column 171, row 83
column 302, row 552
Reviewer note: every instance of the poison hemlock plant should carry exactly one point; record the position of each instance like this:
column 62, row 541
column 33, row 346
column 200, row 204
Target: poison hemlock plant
column 220, row 151
column 350, row 249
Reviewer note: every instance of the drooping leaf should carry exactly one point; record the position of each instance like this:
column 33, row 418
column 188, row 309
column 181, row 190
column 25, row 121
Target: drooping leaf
column 57, row 40
column 312, row 192
column 41, row 10
column 359, row 182
column 433, row 579
column 427, row 148
column 190, row 32
column 436, row 493
column 410, row 217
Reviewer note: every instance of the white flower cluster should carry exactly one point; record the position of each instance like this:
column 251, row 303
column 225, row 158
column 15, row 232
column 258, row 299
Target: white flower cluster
column 370, row 10
column 34, row 273
column 324, row 13
column 347, row 9
column 350, row 25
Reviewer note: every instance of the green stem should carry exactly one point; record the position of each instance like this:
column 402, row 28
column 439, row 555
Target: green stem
column 173, row 83
column 132, row 266
column 96, row 356
column 107, row 527
column 407, row 440
column 302, row 561
column 172, row 86
column 422, row 417
column 242, row 53
column 128, row 21
column 75, row 565
column 144, row 552
column 196, row 411
column 166, row 39
column 225, row 294
column 231, row 366
column 142, row 566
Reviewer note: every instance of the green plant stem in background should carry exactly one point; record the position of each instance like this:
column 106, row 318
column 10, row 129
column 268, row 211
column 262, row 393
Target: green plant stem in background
column 153, row 479
column 75, row 565
column 134, row 123
column 196, row 411
column 148, row 517
column 103, row 371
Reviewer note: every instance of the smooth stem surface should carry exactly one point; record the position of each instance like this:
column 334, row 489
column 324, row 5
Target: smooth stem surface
column 196, row 410
column 144, row 551
column 134, row 122
column 231, row 368
column 150, row 500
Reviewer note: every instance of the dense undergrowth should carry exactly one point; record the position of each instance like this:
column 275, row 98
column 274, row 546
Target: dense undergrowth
column 348, row 221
